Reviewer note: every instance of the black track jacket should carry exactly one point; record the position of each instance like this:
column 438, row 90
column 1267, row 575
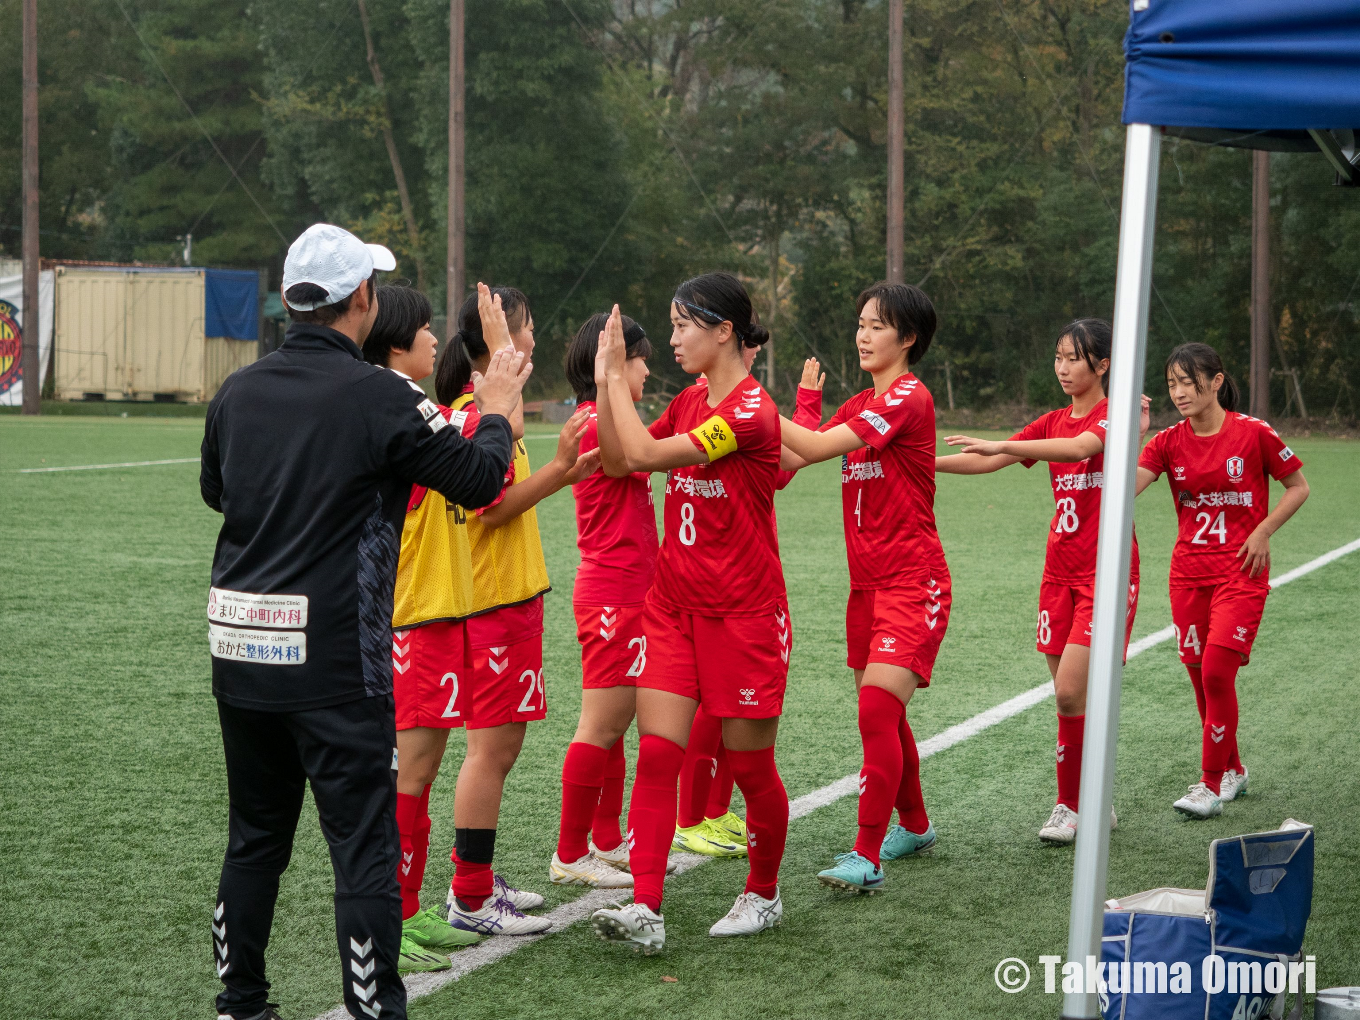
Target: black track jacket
column 309, row 455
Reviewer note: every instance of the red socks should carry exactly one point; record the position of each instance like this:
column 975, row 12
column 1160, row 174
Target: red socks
column 767, row 816
column 1234, row 759
column 880, row 716
column 604, row 829
column 1218, row 673
column 720, row 790
column 651, row 816
column 413, row 822
column 697, row 774
column 582, row 775
column 1071, row 733
column 911, row 806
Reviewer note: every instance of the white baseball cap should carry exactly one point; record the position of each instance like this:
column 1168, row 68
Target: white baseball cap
column 333, row 259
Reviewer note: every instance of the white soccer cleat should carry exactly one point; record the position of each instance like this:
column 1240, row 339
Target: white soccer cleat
column 1061, row 827
column 750, row 915
column 1232, row 784
column 618, row 857
column 636, row 924
column 589, row 871
column 1200, row 802
column 497, row 916
column 521, row 898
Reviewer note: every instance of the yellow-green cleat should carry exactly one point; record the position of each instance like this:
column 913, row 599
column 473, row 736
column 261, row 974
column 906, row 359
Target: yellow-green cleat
column 705, row 839
column 414, row 959
column 730, row 826
column 430, row 931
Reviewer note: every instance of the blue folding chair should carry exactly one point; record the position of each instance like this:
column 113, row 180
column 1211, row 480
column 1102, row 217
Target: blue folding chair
column 1252, row 915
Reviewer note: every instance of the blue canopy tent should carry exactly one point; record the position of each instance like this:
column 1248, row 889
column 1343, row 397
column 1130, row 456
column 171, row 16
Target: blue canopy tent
column 1261, row 74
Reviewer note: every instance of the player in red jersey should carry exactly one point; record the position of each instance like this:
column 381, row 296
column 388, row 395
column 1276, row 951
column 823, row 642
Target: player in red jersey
column 715, row 624
column 616, row 534
column 885, row 437
column 1219, row 464
column 1072, row 440
column 706, row 823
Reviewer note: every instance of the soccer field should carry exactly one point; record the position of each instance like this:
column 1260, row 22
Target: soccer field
column 113, row 794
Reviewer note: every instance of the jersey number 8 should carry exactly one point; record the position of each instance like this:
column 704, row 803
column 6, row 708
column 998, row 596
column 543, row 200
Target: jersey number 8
column 687, row 533
column 1066, row 519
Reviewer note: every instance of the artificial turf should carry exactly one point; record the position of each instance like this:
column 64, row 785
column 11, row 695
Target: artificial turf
column 113, row 798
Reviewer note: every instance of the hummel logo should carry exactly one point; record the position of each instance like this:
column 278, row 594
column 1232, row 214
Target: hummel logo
column 372, row 1010
column 750, row 837
column 406, row 862
column 217, row 914
column 863, row 779
column 365, row 970
column 399, row 666
column 358, row 950
column 1062, row 750
column 1241, row 634
column 365, row 992
column 497, row 667
column 220, row 931
column 630, row 840
column 1180, row 474
column 780, row 617
column 888, row 643
column 1217, row 733
column 748, row 696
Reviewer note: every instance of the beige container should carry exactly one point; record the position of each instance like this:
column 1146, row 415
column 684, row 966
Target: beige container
column 138, row 335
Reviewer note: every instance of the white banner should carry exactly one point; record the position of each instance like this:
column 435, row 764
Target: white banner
column 11, row 342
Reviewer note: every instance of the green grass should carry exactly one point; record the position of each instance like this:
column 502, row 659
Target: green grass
column 113, row 799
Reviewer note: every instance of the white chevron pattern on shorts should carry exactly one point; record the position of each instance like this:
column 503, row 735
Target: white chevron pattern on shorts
column 497, row 667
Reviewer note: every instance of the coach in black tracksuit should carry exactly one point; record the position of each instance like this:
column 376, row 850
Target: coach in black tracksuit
column 309, row 454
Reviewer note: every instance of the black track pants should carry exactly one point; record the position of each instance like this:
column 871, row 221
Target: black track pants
column 346, row 752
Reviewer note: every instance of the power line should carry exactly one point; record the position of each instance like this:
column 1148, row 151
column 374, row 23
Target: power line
column 198, row 123
column 562, row 304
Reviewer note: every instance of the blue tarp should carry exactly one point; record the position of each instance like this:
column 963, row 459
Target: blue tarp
column 231, row 303
column 1244, row 65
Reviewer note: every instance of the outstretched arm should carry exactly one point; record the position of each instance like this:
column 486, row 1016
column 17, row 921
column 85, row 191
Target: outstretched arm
column 809, row 447
column 974, row 463
column 1060, row 451
column 567, row 467
column 625, row 444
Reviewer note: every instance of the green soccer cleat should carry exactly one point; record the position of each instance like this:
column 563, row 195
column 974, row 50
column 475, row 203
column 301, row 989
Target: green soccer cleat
column 853, row 873
column 900, row 842
column 706, row 840
column 730, row 827
column 414, row 959
column 430, row 931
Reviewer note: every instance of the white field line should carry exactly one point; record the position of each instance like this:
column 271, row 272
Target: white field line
column 466, row 961
column 102, row 467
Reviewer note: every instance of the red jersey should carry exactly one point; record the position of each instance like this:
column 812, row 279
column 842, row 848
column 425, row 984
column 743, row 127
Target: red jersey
column 888, row 486
column 720, row 553
column 1073, row 537
column 1221, row 484
column 615, row 531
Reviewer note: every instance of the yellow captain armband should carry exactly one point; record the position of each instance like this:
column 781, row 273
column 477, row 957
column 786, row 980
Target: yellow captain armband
column 717, row 437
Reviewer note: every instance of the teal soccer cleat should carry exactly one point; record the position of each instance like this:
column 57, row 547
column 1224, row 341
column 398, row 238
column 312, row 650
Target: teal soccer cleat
column 853, row 873
column 900, row 842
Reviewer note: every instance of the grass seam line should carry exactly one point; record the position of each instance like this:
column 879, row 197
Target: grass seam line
column 101, row 467
column 466, row 961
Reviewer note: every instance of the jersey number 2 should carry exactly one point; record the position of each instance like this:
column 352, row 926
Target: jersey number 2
column 1067, row 519
column 640, row 663
column 535, row 686
column 450, row 712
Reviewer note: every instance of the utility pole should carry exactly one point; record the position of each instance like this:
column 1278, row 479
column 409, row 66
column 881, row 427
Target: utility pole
column 457, row 260
column 32, row 372
column 896, row 140
column 1260, row 284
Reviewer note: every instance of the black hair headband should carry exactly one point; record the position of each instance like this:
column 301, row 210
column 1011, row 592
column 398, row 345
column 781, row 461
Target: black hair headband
column 710, row 316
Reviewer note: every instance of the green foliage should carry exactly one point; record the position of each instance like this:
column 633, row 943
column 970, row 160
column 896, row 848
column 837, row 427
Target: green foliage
column 617, row 147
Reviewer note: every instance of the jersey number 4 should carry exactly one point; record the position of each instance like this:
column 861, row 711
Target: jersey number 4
column 1191, row 639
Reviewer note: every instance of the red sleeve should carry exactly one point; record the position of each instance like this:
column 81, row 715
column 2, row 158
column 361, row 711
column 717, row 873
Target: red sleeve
column 1037, row 429
column 665, row 425
column 897, row 409
column 1153, row 456
column 1277, row 457
column 743, row 420
column 808, row 410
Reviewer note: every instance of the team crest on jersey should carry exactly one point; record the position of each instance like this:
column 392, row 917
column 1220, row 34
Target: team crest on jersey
column 1236, row 467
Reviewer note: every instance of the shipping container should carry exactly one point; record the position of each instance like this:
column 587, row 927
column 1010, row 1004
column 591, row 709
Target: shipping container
column 139, row 334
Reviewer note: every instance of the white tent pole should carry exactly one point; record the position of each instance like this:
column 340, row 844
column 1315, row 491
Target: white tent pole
column 1133, row 281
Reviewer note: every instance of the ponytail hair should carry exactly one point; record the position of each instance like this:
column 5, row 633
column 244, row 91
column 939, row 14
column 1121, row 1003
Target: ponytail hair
column 714, row 298
column 1201, row 363
column 453, row 371
column 580, row 361
column 1091, row 341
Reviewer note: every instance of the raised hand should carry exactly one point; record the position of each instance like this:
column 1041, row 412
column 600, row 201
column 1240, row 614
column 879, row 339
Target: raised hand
column 495, row 328
column 611, row 354
column 498, row 390
column 1145, row 417
column 970, row 445
column 813, row 376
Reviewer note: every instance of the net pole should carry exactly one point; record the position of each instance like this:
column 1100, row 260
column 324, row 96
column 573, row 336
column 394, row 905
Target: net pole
column 456, row 282
column 31, row 326
column 896, row 139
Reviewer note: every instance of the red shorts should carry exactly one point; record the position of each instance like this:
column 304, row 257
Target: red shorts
column 1065, row 616
column 428, row 666
column 612, row 645
column 737, row 666
column 505, row 685
column 1226, row 614
column 900, row 626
